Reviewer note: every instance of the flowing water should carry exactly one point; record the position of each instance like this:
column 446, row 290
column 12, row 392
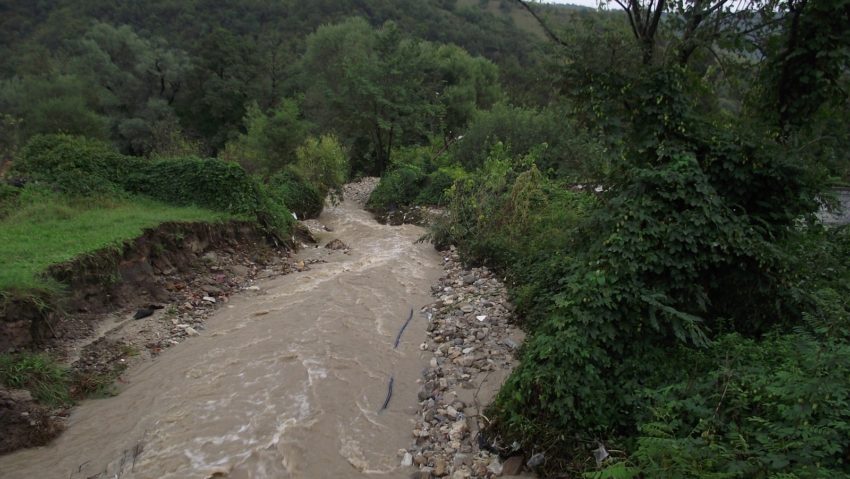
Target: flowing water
column 284, row 384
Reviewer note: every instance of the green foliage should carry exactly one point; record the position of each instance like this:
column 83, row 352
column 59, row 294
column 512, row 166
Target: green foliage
column 269, row 142
column 74, row 165
column 438, row 183
column 80, row 166
column 398, row 187
column 570, row 152
column 747, row 408
column 8, row 198
column 420, row 175
column 301, row 197
column 379, row 89
column 322, row 162
column 41, row 375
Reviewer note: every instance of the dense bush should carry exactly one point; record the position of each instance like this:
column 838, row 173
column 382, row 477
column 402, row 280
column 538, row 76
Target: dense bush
column 746, row 408
column 419, row 175
column 301, row 197
column 82, row 166
column 569, row 151
column 437, row 184
column 74, row 165
column 606, row 292
column 398, row 187
column 322, row 162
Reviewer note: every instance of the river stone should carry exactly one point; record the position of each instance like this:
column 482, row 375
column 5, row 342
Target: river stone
column 424, row 473
column 336, row 244
column 440, row 467
column 451, row 412
column 513, row 466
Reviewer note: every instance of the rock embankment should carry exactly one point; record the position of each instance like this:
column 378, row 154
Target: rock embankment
column 473, row 346
column 360, row 190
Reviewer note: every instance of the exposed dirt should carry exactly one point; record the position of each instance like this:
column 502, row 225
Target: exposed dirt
column 128, row 304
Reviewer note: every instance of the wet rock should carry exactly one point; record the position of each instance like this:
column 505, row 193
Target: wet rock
column 336, row 244
column 424, row 473
column 143, row 313
column 536, row 460
column 240, row 270
column 212, row 290
column 512, row 466
column 440, row 467
column 461, row 474
column 407, row 460
column 425, row 392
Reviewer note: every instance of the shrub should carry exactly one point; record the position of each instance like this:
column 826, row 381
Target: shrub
column 398, row 187
column 74, row 165
column 438, row 183
column 323, row 163
column 82, row 166
column 570, row 151
column 747, row 408
column 298, row 195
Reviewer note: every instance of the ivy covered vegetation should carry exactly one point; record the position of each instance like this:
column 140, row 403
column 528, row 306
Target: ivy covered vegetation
column 646, row 177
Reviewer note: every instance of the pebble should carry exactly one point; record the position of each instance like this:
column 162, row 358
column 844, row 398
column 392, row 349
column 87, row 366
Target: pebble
column 208, row 299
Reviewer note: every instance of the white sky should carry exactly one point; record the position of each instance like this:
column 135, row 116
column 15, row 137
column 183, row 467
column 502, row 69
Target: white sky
column 585, row 3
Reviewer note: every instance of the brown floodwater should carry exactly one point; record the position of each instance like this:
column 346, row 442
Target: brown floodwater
column 285, row 384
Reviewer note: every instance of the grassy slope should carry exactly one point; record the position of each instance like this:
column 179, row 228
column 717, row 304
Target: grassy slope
column 48, row 229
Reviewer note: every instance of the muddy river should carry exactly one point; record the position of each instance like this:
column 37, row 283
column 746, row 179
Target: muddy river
column 287, row 383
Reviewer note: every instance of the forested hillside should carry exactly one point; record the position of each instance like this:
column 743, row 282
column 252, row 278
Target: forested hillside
column 152, row 76
column 646, row 177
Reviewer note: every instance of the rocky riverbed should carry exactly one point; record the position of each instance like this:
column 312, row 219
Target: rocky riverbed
column 473, row 346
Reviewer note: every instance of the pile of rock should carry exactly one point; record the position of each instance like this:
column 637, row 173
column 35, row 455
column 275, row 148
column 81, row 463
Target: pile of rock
column 359, row 191
column 473, row 346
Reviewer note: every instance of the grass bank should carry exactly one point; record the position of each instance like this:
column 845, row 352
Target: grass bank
column 42, row 228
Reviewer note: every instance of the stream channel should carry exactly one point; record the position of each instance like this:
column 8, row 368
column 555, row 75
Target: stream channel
column 287, row 383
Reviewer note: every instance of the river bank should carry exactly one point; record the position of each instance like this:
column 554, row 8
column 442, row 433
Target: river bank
column 286, row 380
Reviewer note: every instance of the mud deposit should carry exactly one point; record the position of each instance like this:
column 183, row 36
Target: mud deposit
column 285, row 381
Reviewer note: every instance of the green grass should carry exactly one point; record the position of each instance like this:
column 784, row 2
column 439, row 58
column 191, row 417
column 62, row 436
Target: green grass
column 46, row 380
column 42, row 228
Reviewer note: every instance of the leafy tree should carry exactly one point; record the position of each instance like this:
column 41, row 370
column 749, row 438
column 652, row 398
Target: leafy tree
column 366, row 85
column 463, row 85
column 322, row 162
column 269, row 142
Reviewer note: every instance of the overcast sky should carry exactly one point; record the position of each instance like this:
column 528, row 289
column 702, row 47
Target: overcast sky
column 586, row 3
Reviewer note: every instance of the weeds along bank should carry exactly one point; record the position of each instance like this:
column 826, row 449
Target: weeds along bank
column 85, row 230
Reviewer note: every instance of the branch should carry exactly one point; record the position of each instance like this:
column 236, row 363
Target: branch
column 631, row 19
column 545, row 27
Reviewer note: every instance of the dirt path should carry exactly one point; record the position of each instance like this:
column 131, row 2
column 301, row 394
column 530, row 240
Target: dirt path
column 287, row 381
